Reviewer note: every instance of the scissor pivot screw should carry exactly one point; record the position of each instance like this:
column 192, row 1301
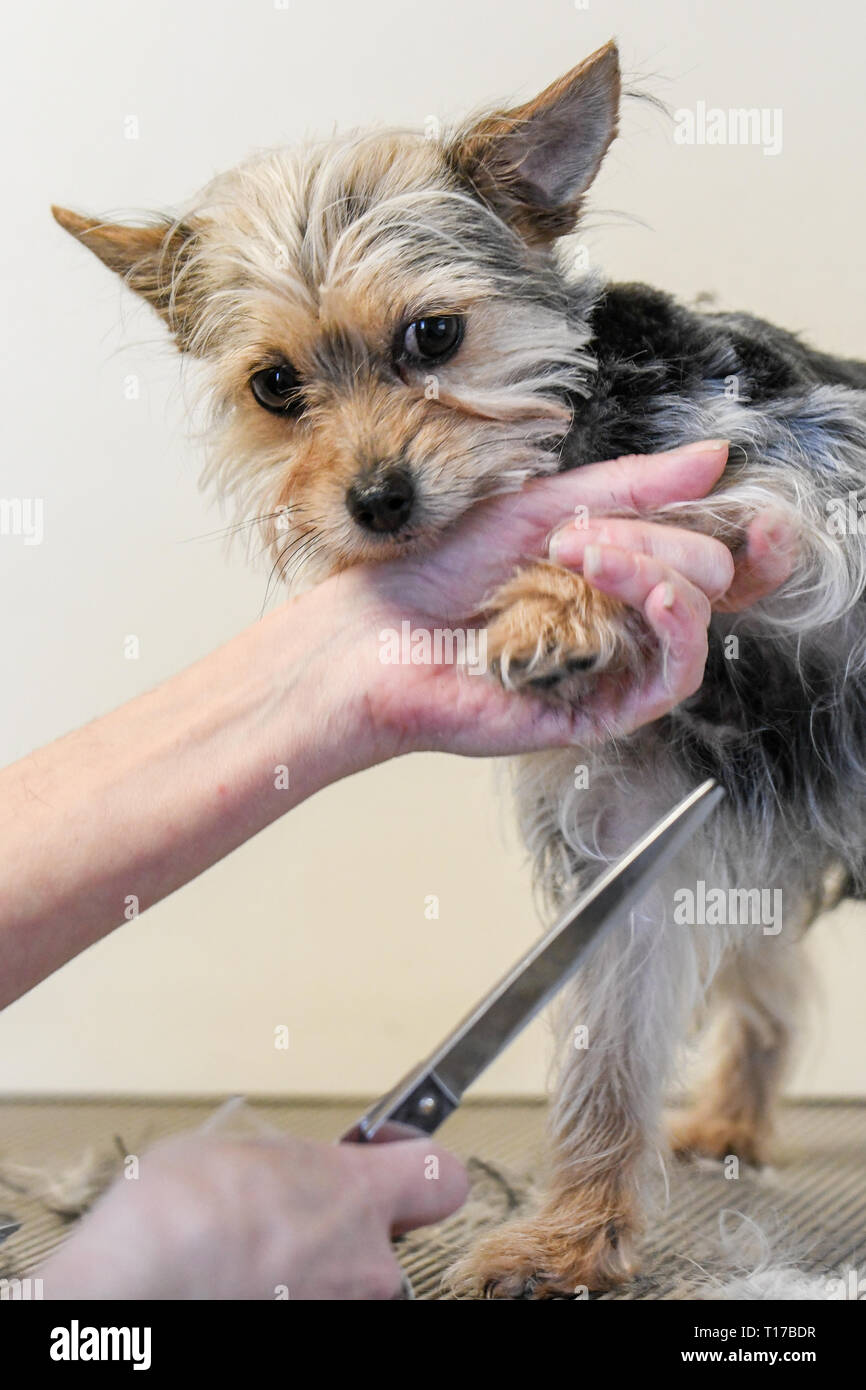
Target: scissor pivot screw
column 427, row 1105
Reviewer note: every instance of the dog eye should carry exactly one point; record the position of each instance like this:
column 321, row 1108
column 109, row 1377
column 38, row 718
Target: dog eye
column 278, row 389
column 432, row 339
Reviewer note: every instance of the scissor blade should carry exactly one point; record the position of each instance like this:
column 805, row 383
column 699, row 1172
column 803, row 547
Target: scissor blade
column 8, row 1226
column 432, row 1090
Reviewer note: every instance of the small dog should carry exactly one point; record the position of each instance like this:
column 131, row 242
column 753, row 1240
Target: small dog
column 391, row 332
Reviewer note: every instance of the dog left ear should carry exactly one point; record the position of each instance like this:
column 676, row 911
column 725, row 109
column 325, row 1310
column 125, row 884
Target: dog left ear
column 150, row 259
column 533, row 164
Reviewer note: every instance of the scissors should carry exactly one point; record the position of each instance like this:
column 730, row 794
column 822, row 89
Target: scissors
column 432, row 1090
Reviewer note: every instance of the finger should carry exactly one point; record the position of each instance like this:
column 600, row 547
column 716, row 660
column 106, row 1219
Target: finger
column 681, row 629
column 414, row 1182
column 703, row 560
column 635, row 483
column 632, row 578
column 768, row 559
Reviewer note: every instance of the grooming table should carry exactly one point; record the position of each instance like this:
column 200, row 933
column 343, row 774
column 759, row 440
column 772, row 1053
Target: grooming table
column 814, row 1202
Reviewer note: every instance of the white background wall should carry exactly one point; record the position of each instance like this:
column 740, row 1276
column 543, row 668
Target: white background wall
column 319, row 922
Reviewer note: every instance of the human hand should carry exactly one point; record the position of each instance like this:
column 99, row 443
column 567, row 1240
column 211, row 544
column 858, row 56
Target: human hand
column 212, row 1217
column 673, row 576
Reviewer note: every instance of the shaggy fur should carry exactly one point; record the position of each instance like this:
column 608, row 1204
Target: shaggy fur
column 319, row 258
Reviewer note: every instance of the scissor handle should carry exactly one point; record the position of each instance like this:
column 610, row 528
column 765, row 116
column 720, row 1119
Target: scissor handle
column 420, row 1100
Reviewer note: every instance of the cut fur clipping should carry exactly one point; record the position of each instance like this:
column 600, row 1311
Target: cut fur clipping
column 754, row 1268
column 772, row 1283
column 71, row 1191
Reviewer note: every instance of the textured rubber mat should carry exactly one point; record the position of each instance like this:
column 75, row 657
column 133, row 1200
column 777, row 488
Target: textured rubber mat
column 810, row 1209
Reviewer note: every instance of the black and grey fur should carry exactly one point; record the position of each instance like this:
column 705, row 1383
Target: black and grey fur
column 781, row 724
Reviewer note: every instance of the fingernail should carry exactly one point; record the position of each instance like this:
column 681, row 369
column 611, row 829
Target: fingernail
column 554, row 547
column 592, row 561
column 564, row 546
column 701, row 446
column 668, row 596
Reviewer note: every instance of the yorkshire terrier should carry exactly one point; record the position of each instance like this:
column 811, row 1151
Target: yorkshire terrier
column 391, row 331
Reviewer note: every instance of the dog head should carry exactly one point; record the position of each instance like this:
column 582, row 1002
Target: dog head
column 385, row 333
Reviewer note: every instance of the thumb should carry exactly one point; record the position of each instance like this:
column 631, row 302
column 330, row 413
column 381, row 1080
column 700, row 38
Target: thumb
column 505, row 530
column 633, row 484
column 414, row 1182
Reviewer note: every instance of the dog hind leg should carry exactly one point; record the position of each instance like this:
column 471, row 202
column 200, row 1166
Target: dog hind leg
column 755, row 1007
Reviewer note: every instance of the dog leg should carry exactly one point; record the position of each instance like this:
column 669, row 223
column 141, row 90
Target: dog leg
column 549, row 630
column 618, row 1030
column 755, row 1001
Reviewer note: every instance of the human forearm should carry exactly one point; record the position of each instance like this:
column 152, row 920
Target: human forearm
column 121, row 813
column 117, row 815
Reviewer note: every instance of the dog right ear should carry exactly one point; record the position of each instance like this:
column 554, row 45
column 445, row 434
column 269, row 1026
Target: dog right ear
column 533, row 164
column 154, row 261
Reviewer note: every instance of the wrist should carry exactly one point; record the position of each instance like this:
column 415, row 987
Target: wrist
column 335, row 672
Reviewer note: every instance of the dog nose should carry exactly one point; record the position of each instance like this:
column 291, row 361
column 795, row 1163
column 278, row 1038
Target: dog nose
column 382, row 504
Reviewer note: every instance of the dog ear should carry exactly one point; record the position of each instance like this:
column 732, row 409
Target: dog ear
column 152, row 260
column 532, row 165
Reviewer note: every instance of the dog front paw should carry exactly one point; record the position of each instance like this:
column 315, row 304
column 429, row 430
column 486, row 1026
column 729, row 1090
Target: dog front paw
column 545, row 1257
column 549, row 631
